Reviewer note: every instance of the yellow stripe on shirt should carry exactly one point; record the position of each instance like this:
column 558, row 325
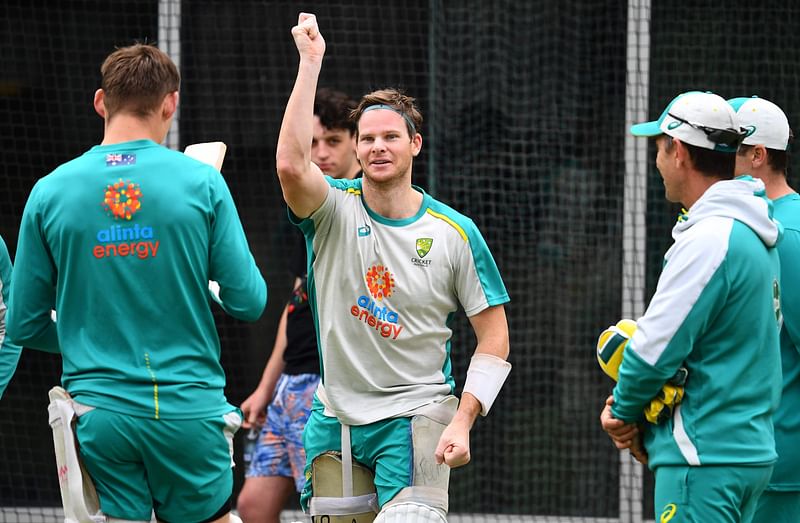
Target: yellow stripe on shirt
column 155, row 383
column 451, row 222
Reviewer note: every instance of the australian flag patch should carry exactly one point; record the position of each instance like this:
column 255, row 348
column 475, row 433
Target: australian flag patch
column 115, row 159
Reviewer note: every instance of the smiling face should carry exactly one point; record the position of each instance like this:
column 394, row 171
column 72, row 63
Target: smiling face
column 384, row 147
column 333, row 150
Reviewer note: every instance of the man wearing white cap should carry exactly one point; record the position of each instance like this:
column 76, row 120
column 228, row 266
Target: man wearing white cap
column 715, row 313
column 763, row 154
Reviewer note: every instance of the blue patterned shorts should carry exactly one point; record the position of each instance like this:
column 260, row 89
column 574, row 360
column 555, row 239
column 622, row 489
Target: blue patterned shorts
column 279, row 451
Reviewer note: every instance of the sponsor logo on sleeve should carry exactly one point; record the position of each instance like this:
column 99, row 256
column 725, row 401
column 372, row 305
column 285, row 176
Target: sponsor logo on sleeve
column 776, row 303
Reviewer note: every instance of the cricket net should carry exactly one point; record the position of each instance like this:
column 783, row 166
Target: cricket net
column 526, row 106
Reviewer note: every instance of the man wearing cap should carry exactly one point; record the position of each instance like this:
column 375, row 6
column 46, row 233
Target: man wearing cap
column 764, row 154
column 715, row 312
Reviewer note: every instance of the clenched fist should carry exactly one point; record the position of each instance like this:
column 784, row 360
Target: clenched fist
column 307, row 37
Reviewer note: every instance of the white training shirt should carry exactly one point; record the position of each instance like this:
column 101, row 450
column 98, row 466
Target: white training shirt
column 384, row 293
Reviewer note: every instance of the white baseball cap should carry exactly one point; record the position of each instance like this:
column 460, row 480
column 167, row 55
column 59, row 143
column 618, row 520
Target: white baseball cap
column 703, row 119
column 763, row 121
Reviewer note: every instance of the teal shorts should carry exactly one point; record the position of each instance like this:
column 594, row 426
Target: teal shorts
column 719, row 494
column 179, row 468
column 385, row 447
column 778, row 507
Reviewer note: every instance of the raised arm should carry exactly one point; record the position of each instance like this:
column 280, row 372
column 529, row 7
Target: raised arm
column 303, row 184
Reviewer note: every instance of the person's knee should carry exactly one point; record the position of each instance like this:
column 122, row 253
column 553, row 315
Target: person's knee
column 260, row 502
column 247, row 504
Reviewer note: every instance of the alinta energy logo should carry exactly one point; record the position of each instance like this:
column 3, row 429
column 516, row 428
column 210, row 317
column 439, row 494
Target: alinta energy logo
column 380, row 283
column 122, row 200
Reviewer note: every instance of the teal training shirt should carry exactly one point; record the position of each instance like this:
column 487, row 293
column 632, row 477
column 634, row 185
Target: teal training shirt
column 9, row 352
column 786, row 474
column 122, row 242
column 713, row 312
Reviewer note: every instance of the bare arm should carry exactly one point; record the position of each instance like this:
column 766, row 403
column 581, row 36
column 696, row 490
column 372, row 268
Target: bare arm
column 304, row 187
column 491, row 330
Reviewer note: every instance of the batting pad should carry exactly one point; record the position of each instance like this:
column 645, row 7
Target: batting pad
column 329, row 503
column 78, row 494
column 410, row 513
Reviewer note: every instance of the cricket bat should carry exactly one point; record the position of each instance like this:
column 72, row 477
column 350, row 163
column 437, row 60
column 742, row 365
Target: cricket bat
column 212, row 153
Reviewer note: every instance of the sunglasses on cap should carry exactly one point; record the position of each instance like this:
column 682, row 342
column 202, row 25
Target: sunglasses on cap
column 729, row 137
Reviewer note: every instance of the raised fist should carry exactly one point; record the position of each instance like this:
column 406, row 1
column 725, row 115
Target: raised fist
column 307, row 37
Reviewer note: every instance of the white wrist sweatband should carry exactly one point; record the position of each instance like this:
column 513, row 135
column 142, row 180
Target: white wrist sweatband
column 485, row 377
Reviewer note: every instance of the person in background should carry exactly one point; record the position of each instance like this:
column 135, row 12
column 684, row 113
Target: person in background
column 764, row 154
column 281, row 403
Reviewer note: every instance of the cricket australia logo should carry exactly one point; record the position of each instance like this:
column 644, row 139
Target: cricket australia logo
column 423, row 248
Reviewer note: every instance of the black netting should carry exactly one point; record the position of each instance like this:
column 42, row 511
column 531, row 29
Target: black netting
column 524, row 106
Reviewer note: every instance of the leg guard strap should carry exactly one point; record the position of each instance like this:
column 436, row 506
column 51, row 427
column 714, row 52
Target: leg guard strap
column 319, row 506
column 336, row 501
